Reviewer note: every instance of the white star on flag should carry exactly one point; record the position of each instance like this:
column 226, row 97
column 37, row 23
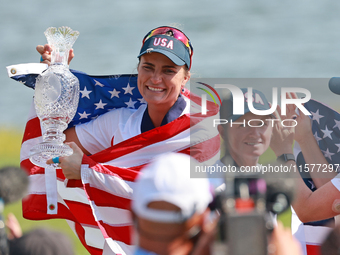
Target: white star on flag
column 317, row 138
column 327, row 133
column 128, row 89
column 328, row 154
column 131, row 103
column 84, row 115
column 100, row 105
column 312, row 184
column 337, row 124
column 338, row 145
column 142, row 100
column 317, row 116
column 114, row 93
column 98, row 83
column 85, row 93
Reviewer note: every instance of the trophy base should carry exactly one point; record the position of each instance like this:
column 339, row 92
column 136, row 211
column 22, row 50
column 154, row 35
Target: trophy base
column 41, row 152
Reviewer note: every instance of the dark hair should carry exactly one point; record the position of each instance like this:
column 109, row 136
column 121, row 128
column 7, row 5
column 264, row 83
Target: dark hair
column 41, row 242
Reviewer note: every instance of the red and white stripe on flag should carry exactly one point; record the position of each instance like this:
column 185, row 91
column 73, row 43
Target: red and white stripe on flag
column 310, row 237
column 97, row 209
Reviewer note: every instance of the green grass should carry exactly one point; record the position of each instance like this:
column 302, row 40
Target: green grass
column 10, row 141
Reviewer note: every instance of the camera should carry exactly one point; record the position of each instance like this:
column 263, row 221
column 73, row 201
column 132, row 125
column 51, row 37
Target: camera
column 248, row 205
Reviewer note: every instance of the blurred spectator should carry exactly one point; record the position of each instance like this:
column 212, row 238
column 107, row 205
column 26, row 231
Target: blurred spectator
column 39, row 241
column 170, row 209
column 331, row 245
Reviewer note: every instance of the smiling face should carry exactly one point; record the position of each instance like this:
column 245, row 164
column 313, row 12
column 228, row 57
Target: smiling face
column 246, row 144
column 159, row 80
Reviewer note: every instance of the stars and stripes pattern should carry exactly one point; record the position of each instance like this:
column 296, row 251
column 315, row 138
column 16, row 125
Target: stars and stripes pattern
column 115, row 91
column 326, row 130
column 97, row 207
column 112, row 95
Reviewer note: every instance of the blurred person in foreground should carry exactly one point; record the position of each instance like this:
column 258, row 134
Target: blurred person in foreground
column 331, row 245
column 170, row 209
column 40, row 241
column 171, row 213
column 14, row 184
column 246, row 137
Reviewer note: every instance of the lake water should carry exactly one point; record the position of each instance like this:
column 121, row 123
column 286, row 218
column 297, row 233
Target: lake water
column 234, row 39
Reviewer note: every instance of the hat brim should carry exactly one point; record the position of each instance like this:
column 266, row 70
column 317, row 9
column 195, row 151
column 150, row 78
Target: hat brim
column 176, row 60
column 236, row 117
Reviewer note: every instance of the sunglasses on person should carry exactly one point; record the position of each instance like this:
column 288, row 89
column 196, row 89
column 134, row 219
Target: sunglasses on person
column 171, row 31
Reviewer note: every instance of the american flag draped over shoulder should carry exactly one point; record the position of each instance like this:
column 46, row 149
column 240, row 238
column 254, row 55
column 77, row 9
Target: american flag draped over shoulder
column 98, row 94
column 97, row 209
column 326, row 130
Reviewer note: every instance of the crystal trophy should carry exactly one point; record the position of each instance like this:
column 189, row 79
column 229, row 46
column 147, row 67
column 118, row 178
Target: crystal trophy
column 56, row 97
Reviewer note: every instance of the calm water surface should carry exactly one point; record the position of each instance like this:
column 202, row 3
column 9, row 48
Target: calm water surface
column 237, row 39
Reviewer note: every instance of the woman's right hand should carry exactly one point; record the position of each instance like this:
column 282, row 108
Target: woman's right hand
column 71, row 165
column 45, row 52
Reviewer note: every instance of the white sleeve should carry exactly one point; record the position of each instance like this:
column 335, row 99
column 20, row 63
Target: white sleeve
column 336, row 181
column 97, row 134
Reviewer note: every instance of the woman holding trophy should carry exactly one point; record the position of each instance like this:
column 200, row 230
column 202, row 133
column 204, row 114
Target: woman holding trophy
column 108, row 152
column 161, row 77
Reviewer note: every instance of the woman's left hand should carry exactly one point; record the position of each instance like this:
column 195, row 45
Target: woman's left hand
column 71, row 165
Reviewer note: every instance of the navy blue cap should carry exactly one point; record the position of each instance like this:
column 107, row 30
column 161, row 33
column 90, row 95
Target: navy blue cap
column 334, row 85
column 169, row 46
column 260, row 102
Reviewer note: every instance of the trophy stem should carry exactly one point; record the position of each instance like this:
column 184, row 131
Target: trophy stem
column 52, row 145
column 54, row 128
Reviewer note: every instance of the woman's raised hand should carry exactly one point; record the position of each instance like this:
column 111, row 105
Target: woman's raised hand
column 45, row 52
